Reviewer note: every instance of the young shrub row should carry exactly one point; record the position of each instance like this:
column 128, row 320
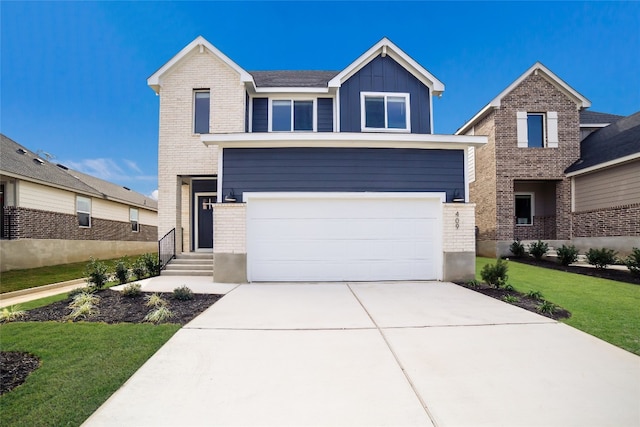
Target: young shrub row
column 97, row 272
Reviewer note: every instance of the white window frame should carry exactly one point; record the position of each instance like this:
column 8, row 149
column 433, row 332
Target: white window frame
column 533, row 207
column 544, row 127
column 549, row 128
column 135, row 229
column 314, row 117
column 193, row 121
column 385, row 95
column 78, row 211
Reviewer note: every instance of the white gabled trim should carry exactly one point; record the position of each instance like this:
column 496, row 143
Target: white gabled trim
column 594, row 125
column 428, row 79
column 539, row 69
column 604, row 165
column 155, row 80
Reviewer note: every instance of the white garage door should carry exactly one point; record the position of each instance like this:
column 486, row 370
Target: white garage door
column 344, row 236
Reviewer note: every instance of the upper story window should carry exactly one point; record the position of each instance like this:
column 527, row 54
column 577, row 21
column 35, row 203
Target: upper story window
column 537, row 129
column 382, row 111
column 291, row 115
column 133, row 218
column 83, row 209
column 201, row 107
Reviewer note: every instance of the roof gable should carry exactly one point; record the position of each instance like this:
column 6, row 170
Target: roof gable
column 200, row 43
column 386, row 47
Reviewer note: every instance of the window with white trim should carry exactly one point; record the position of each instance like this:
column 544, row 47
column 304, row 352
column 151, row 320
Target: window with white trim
column 83, row 210
column 384, row 111
column 537, row 129
column 289, row 115
column 524, row 208
column 133, row 218
column 201, row 109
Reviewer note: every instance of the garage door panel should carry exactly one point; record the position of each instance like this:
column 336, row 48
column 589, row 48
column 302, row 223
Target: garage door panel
column 371, row 237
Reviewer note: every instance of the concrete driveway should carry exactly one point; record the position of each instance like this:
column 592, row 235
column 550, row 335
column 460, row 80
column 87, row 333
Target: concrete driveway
column 373, row 354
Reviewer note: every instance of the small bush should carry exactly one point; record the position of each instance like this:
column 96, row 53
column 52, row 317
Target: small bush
column 83, row 306
column 139, row 269
column 152, row 263
column 11, row 314
column 537, row 295
column 601, row 258
column 155, row 300
column 538, row 249
column 122, row 270
column 183, row 293
column 510, row 299
column 96, row 272
column 546, row 307
column 495, row 274
column 567, row 255
column 509, row 287
column 517, row 249
column 84, row 298
column 633, row 262
column 132, row 290
column 158, row 315
column 473, row 283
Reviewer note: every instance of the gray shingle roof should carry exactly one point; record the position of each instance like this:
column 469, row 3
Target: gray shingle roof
column 593, row 117
column 292, row 78
column 18, row 161
column 617, row 140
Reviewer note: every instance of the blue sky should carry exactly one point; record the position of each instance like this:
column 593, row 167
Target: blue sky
column 73, row 74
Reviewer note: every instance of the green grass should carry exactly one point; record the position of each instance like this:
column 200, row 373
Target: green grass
column 604, row 308
column 15, row 280
column 82, row 364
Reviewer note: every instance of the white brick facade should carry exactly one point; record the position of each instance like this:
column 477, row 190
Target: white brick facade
column 229, row 228
column 458, row 227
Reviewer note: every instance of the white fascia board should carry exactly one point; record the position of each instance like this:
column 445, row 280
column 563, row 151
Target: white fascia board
column 594, row 125
column 341, row 140
column 437, row 87
column 155, row 81
column 289, row 195
column 604, row 165
column 475, row 119
column 276, row 90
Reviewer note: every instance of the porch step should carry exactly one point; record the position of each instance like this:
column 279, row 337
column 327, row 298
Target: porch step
column 190, row 264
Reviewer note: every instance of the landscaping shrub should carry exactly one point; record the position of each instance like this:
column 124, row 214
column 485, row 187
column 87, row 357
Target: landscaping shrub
column 510, row 299
column 509, row 287
column 495, row 274
column 75, row 291
column 122, row 270
column 546, row 307
column 517, row 249
column 158, row 315
column 473, row 283
column 538, row 249
column 96, row 273
column 11, row 314
column 183, row 293
column 633, row 262
column 567, row 255
column 601, row 258
column 83, row 305
column 139, row 269
column 131, row 290
column 152, row 263
column 155, row 300
column 537, row 295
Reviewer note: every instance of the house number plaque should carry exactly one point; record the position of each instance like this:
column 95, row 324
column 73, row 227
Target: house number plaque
column 457, row 220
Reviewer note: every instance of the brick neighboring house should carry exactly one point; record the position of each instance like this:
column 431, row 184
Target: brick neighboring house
column 606, row 188
column 518, row 179
column 54, row 215
column 312, row 175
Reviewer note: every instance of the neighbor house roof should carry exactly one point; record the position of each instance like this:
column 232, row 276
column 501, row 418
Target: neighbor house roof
column 595, row 118
column 537, row 68
column 616, row 143
column 21, row 163
column 292, row 78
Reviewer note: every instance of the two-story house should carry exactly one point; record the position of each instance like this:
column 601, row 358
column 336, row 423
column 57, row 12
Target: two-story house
column 312, row 175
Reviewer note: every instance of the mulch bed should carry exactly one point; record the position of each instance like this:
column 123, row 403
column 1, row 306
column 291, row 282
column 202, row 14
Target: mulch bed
column 524, row 301
column 607, row 273
column 113, row 308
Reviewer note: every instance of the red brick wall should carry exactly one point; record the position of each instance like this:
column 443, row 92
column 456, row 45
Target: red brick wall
column 618, row 221
column 23, row 223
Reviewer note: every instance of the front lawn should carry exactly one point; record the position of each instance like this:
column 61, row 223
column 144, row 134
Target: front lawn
column 82, row 364
column 604, row 308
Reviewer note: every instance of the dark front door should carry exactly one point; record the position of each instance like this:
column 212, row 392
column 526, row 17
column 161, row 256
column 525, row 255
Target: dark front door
column 204, row 226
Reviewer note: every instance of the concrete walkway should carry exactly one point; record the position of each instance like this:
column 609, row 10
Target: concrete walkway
column 396, row 354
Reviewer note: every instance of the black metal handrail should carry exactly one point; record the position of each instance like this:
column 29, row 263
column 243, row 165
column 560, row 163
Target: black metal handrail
column 167, row 248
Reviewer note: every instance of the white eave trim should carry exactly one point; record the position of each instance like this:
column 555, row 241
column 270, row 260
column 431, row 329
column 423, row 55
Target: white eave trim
column 386, row 47
column 341, row 140
column 594, row 125
column 275, row 90
column 604, row 165
column 155, row 80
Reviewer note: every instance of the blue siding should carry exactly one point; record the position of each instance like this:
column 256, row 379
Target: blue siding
column 384, row 75
column 325, row 115
column 260, row 115
column 343, row 169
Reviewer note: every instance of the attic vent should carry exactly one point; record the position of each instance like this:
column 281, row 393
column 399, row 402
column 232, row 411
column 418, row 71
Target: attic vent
column 62, row 166
column 126, row 188
column 21, row 151
column 38, row 161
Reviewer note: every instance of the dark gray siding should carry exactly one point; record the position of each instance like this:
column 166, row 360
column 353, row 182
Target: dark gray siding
column 325, row 114
column 260, row 114
column 343, row 169
column 384, row 75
